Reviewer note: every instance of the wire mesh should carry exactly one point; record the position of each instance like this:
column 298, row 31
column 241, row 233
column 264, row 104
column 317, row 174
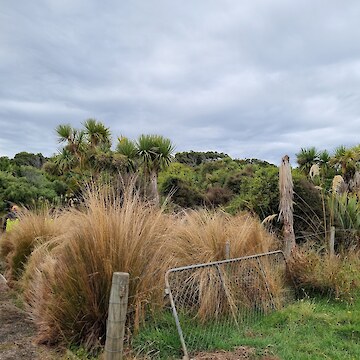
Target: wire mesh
column 213, row 301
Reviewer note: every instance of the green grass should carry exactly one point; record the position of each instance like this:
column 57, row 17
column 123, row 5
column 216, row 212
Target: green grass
column 308, row 329
column 311, row 330
column 158, row 338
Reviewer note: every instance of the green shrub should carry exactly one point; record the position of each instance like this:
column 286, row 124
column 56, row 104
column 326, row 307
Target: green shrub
column 346, row 213
column 181, row 192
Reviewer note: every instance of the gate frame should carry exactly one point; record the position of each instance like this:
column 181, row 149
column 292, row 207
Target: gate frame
column 204, row 265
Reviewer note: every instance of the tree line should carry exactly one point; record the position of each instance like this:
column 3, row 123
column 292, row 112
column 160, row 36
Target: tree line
column 187, row 179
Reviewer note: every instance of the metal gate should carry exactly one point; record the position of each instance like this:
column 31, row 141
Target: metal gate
column 225, row 295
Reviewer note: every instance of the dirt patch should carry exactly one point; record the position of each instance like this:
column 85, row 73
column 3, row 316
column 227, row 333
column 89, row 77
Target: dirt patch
column 241, row 353
column 17, row 332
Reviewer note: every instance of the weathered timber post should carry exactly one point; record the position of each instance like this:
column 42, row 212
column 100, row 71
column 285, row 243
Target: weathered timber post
column 227, row 250
column 115, row 328
column 332, row 241
column 286, row 205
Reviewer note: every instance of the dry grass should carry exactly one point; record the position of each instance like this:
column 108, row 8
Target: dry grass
column 68, row 279
column 200, row 237
column 69, row 296
column 318, row 273
column 34, row 228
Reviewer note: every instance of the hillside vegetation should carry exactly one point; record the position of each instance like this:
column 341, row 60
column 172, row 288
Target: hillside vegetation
column 136, row 207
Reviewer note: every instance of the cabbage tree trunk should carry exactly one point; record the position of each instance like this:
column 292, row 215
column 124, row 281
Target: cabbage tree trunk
column 154, row 192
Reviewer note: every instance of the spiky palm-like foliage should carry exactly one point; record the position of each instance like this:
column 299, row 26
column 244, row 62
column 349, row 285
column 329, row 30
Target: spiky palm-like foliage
column 155, row 151
column 98, row 135
column 306, row 158
column 345, row 160
column 75, row 141
column 345, row 211
column 83, row 148
column 127, row 148
column 155, row 154
column 65, row 161
column 324, row 162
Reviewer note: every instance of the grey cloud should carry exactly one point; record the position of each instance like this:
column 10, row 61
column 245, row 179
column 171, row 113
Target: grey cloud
column 253, row 79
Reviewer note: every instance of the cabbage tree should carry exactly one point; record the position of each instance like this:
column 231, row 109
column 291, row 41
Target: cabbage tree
column 155, row 154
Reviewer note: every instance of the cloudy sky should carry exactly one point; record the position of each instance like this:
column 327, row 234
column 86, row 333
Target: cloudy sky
column 251, row 78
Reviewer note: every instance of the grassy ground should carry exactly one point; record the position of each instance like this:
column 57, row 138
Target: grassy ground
column 308, row 329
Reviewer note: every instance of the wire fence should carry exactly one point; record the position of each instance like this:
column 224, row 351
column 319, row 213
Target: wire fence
column 211, row 302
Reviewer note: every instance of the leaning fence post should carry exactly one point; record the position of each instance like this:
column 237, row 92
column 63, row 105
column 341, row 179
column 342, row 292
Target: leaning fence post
column 115, row 328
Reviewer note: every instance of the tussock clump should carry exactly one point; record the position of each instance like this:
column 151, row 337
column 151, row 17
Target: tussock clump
column 39, row 294
column 200, row 236
column 68, row 279
column 319, row 274
column 34, row 228
column 68, row 295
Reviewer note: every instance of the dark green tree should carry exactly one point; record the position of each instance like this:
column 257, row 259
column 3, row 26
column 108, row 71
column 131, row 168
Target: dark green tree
column 74, row 142
column 28, row 159
column 195, row 158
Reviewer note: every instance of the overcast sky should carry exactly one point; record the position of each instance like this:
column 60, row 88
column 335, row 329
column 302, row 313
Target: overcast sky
column 251, row 78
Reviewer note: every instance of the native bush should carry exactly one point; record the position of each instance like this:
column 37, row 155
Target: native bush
column 217, row 195
column 257, row 192
column 345, row 210
column 181, row 192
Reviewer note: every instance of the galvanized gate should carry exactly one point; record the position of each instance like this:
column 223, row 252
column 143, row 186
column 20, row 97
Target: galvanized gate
column 224, row 295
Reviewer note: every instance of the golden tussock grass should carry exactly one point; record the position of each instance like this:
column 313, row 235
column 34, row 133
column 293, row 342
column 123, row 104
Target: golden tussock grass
column 34, row 228
column 113, row 233
column 68, row 278
column 200, row 236
column 318, row 273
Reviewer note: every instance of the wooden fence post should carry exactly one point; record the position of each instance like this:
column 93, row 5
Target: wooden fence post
column 227, row 250
column 115, row 328
column 332, row 241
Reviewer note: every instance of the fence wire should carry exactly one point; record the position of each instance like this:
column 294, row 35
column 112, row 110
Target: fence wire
column 212, row 301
